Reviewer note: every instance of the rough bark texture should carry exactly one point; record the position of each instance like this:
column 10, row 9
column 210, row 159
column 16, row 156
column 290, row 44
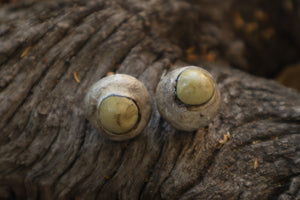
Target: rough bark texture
column 48, row 150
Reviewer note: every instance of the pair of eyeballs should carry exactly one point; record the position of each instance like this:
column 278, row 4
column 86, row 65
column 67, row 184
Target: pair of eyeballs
column 120, row 105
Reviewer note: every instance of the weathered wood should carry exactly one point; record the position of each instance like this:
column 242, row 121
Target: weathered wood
column 50, row 151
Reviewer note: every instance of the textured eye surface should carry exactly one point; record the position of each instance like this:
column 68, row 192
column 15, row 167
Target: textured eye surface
column 188, row 98
column 194, row 87
column 119, row 106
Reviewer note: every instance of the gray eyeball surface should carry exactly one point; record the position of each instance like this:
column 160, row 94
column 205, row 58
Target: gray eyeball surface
column 188, row 98
column 119, row 106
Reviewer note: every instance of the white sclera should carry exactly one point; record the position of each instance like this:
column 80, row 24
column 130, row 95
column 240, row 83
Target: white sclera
column 119, row 106
column 186, row 109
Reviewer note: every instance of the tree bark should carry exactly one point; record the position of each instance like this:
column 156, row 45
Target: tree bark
column 52, row 52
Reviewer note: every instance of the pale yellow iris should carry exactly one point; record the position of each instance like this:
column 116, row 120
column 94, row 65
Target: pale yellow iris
column 194, row 87
column 118, row 114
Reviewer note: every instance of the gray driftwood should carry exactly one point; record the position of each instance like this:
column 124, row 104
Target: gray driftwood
column 48, row 150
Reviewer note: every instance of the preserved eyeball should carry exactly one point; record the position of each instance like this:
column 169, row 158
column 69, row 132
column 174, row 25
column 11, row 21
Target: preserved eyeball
column 188, row 98
column 119, row 106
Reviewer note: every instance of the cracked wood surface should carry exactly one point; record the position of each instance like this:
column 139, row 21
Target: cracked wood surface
column 48, row 150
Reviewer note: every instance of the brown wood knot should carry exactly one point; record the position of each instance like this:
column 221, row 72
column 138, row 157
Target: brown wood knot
column 44, row 108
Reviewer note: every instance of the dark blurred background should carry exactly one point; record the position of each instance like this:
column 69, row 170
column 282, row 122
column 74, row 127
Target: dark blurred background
column 270, row 35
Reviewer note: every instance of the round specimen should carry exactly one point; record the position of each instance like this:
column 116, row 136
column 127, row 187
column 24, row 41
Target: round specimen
column 118, row 114
column 188, row 98
column 118, row 106
column 194, row 87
